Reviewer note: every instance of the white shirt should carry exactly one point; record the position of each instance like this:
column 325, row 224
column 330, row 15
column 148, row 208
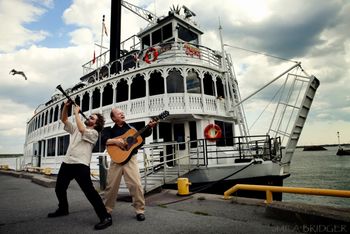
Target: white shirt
column 81, row 145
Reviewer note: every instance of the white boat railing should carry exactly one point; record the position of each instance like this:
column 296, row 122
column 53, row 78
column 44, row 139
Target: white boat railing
column 161, row 163
column 168, row 53
column 176, row 103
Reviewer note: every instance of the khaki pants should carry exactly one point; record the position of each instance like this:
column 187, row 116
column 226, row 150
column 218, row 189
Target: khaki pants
column 132, row 178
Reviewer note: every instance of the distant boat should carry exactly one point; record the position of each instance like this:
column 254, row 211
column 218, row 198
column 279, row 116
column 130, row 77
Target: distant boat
column 314, row 148
column 341, row 151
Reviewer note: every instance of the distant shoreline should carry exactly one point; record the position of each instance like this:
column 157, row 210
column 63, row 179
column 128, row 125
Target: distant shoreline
column 10, row 155
column 326, row 145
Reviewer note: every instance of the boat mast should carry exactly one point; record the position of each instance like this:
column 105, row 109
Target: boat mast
column 102, row 29
column 224, row 65
column 338, row 139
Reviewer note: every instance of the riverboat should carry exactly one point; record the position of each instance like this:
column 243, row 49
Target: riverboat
column 205, row 138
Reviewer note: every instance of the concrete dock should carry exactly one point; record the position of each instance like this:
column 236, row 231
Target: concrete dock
column 26, row 199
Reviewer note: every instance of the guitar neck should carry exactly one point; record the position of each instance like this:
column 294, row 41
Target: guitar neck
column 141, row 131
column 161, row 116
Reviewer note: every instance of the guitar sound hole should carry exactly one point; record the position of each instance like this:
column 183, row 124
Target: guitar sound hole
column 130, row 141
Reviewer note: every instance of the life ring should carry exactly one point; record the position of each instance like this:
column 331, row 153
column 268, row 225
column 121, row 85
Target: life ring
column 212, row 131
column 151, row 55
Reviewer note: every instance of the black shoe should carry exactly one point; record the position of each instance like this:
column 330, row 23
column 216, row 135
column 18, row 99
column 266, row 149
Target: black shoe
column 57, row 213
column 104, row 223
column 140, row 217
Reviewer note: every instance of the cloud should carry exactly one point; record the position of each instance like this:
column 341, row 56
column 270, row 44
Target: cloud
column 313, row 32
column 44, row 67
column 14, row 15
column 12, row 119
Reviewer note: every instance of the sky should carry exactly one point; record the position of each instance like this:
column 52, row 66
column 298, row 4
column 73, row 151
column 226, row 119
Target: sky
column 50, row 41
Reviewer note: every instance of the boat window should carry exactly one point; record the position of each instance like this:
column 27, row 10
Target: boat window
column 85, row 102
column 40, row 121
column 122, row 91
column 208, row 83
column 146, row 42
column 63, row 142
column 40, row 148
column 156, row 84
column 61, row 108
column 107, row 95
column 193, row 82
column 96, row 97
column 43, row 147
column 193, row 134
column 45, row 118
column 51, row 146
column 156, row 37
column 50, row 115
column 55, row 116
column 35, row 123
column 175, row 82
column 77, row 100
column 167, row 31
column 165, row 135
column 179, row 135
column 220, row 88
column 187, row 35
column 36, row 148
column 227, row 133
column 138, row 87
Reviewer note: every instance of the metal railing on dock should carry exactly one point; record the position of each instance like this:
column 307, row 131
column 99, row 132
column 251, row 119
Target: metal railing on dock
column 280, row 189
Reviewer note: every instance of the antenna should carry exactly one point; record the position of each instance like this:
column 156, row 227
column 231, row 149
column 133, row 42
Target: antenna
column 188, row 12
column 143, row 13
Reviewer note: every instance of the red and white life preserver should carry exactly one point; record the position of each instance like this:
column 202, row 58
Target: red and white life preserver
column 151, row 55
column 212, row 131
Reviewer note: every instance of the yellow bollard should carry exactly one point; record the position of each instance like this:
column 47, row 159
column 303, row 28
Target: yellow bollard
column 5, row 167
column 183, row 187
column 47, row 171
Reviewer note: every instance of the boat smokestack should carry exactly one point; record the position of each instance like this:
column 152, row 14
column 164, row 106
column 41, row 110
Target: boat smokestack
column 114, row 46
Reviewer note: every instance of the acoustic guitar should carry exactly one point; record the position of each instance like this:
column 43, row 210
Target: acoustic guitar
column 132, row 139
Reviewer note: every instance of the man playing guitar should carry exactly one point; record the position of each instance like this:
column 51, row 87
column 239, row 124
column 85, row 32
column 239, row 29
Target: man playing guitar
column 127, row 168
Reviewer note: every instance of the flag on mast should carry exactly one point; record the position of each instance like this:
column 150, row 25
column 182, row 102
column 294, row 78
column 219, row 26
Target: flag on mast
column 105, row 28
column 94, row 58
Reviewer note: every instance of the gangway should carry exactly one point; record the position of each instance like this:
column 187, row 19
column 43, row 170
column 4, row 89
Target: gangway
column 156, row 172
column 291, row 112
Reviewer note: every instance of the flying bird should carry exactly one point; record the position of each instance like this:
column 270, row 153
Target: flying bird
column 14, row 72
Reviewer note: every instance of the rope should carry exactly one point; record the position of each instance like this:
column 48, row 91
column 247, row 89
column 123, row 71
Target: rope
column 256, row 52
column 215, row 182
column 210, row 185
column 262, row 112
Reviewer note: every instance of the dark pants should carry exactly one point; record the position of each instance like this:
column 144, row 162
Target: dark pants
column 81, row 173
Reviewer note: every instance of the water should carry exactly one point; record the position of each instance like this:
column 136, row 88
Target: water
column 319, row 169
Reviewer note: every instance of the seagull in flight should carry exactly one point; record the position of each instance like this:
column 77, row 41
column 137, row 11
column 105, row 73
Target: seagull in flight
column 14, row 72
